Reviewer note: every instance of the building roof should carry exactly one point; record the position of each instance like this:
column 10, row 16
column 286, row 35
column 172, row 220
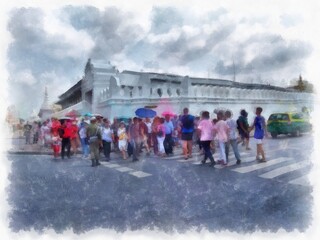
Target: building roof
column 70, row 91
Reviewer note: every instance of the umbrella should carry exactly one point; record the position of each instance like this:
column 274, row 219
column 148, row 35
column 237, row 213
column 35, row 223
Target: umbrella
column 171, row 114
column 88, row 115
column 65, row 118
column 97, row 115
column 145, row 112
column 73, row 114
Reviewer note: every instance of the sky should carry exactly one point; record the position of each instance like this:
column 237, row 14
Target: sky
column 253, row 42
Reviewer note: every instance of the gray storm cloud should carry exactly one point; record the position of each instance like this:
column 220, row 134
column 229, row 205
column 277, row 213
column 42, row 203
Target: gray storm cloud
column 273, row 53
column 112, row 29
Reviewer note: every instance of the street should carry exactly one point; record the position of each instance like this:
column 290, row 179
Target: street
column 169, row 194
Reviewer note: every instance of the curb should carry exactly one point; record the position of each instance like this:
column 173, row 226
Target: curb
column 28, row 153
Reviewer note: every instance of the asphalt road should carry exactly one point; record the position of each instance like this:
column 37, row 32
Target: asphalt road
column 169, row 194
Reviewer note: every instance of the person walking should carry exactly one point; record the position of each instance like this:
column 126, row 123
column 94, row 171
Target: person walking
column 222, row 131
column 243, row 128
column 65, row 134
column 94, row 136
column 205, row 131
column 160, row 137
column 107, row 139
column 168, row 141
column 83, row 139
column 74, row 138
column 134, row 138
column 154, row 126
column 56, row 143
column 123, row 140
column 149, row 135
column 232, row 137
column 144, row 136
column 187, row 128
column 260, row 132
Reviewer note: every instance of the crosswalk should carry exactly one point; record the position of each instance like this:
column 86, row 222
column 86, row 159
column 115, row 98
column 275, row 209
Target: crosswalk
column 126, row 170
column 275, row 167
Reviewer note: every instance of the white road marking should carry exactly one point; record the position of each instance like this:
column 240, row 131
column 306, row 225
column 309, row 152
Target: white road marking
column 112, row 165
column 283, row 170
column 124, row 169
column 140, row 174
column 260, row 165
column 303, row 181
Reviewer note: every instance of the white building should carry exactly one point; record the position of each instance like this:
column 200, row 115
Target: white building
column 105, row 90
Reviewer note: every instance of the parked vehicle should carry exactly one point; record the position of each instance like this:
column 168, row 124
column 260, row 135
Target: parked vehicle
column 293, row 123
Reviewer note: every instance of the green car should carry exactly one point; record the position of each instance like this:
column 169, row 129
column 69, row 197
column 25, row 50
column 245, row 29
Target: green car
column 288, row 123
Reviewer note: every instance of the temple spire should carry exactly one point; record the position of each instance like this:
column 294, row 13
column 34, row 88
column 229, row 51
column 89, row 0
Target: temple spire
column 45, row 104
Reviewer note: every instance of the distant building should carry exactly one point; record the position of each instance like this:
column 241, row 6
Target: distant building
column 302, row 86
column 105, row 90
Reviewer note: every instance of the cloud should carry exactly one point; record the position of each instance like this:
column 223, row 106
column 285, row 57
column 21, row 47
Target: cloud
column 266, row 53
column 164, row 19
column 33, row 52
column 190, row 48
column 111, row 29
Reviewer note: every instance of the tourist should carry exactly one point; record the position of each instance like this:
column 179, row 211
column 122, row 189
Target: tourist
column 205, row 131
column 187, row 128
column 168, row 141
column 45, row 133
column 65, row 134
column 115, row 126
column 260, row 132
column 107, row 139
column 27, row 132
column 232, row 137
column 55, row 143
column 160, row 137
column 134, row 139
column 154, row 126
column 144, row 136
column 123, row 140
column 74, row 137
column 149, row 136
column 243, row 128
column 94, row 138
column 83, row 138
column 222, row 131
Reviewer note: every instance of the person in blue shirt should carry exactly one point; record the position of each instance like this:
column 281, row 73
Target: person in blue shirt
column 259, row 126
column 168, row 141
column 187, row 128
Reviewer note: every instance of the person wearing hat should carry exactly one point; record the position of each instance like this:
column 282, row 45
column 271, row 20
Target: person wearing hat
column 94, row 136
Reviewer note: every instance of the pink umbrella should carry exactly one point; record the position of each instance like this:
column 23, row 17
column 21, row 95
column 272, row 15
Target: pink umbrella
column 171, row 114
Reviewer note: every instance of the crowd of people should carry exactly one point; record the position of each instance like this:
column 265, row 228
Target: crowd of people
column 96, row 136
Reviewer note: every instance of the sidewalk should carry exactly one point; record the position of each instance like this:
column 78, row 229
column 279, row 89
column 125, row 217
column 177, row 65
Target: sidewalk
column 18, row 146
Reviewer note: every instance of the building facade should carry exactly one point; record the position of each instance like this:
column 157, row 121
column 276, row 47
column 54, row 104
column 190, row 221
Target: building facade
column 105, row 90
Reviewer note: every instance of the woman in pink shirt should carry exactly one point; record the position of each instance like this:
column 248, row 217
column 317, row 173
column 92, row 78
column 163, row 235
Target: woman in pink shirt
column 222, row 130
column 205, row 130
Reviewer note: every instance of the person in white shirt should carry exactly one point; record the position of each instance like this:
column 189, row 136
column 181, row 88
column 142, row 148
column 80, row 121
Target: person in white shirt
column 232, row 137
column 222, row 130
column 107, row 139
